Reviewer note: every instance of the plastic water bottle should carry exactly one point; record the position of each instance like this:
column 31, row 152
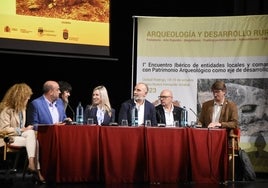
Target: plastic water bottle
column 134, row 116
column 184, row 117
column 79, row 114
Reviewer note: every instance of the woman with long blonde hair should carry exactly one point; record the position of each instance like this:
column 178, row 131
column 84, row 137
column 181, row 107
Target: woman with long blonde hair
column 100, row 109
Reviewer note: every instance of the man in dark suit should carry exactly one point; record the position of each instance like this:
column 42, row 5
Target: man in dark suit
column 145, row 109
column 48, row 108
column 166, row 112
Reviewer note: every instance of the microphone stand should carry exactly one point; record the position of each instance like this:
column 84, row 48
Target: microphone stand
column 73, row 119
column 197, row 118
column 194, row 113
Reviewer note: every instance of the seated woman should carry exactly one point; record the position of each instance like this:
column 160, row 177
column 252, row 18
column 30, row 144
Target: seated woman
column 12, row 121
column 100, row 109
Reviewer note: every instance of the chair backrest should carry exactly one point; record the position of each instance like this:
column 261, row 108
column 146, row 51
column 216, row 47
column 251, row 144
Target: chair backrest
column 233, row 149
column 234, row 138
column 237, row 132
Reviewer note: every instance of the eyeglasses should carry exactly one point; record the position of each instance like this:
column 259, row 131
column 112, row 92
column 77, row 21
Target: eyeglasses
column 163, row 97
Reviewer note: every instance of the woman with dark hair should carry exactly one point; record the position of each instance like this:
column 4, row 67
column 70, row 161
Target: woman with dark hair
column 65, row 89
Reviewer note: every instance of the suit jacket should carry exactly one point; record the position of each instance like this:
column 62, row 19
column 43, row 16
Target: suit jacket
column 160, row 114
column 228, row 116
column 38, row 112
column 9, row 121
column 92, row 113
column 125, row 111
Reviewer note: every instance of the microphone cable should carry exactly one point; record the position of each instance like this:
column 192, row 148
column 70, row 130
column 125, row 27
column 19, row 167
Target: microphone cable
column 72, row 110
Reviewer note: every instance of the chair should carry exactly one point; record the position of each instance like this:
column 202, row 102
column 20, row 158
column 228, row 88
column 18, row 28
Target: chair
column 18, row 151
column 233, row 150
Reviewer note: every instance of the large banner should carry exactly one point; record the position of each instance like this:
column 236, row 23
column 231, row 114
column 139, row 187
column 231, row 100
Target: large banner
column 187, row 54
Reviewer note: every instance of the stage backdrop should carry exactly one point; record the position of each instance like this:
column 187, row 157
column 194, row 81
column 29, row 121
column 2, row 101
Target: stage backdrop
column 187, row 54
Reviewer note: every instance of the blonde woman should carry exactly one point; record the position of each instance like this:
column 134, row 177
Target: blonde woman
column 100, row 109
column 12, row 121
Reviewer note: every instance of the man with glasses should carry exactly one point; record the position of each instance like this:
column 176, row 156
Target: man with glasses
column 166, row 112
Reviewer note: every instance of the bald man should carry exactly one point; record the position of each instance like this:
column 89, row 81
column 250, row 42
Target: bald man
column 145, row 109
column 49, row 108
column 166, row 111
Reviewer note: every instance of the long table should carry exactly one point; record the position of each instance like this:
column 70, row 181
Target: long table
column 123, row 156
column 69, row 153
column 208, row 151
column 167, row 155
column 111, row 154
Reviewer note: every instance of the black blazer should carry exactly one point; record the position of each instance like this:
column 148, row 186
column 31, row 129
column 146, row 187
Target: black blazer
column 160, row 114
column 125, row 111
column 92, row 113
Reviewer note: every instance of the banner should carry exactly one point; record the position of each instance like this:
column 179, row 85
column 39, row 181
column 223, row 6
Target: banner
column 187, row 54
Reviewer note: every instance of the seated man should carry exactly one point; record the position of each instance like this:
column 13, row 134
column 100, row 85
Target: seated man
column 166, row 112
column 48, row 108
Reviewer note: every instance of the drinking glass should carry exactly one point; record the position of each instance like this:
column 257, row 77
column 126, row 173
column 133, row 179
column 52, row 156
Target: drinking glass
column 90, row 121
column 147, row 123
column 176, row 124
column 124, row 122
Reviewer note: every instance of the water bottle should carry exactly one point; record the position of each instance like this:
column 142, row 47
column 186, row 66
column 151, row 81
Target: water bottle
column 134, row 116
column 79, row 114
column 184, row 117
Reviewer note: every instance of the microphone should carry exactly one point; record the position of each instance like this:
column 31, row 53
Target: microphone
column 194, row 113
column 71, row 111
column 197, row 118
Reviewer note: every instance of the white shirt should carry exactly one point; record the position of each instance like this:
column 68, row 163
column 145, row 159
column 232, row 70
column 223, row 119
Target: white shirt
column 140, row 109
column 54, row 112
column 100, row 116
column 169, row 117
column 216, row 112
